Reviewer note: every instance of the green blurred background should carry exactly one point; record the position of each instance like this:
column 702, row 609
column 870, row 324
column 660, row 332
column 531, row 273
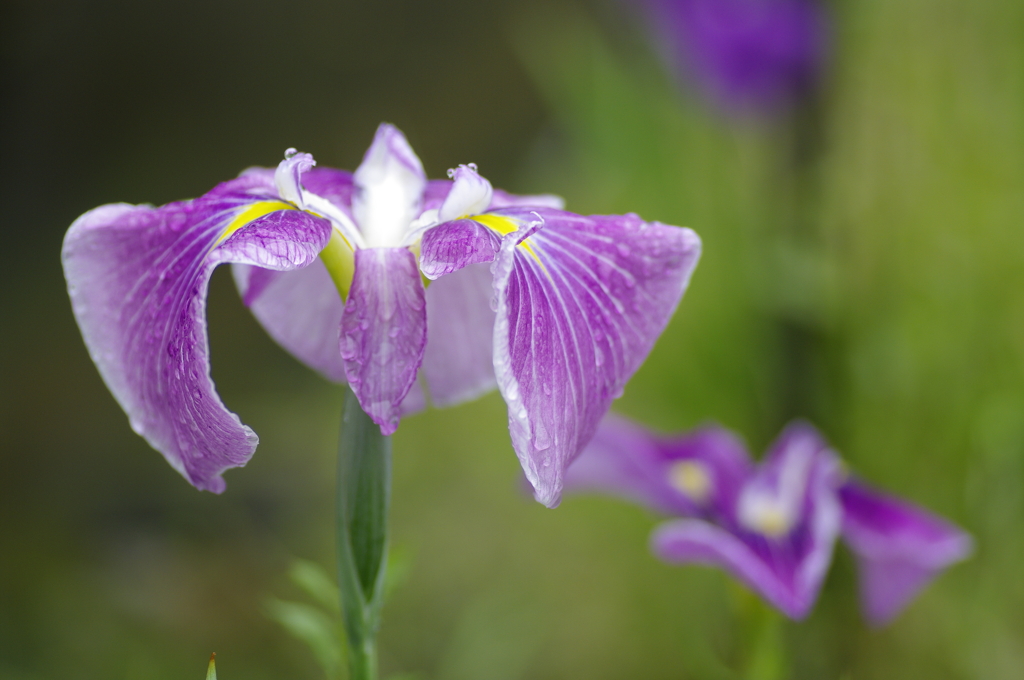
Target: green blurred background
column 863, row 267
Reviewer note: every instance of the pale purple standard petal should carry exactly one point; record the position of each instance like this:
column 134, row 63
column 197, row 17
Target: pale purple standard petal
column 384, row 331
column 458, row 362
column 301, row 310
column 627, row 460
column 579, row 308
column 333, row 184
column 138, row 276
column 900, row 548
column 503, row 199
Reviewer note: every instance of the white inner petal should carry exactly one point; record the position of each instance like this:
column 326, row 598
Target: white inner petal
column 470, row 194
column 773, row 510
column 389, row 185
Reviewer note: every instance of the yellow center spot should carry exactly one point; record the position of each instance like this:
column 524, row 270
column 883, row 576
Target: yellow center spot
column 691, row 479
column 252, row 213
column 771, row 521
column 504, row 225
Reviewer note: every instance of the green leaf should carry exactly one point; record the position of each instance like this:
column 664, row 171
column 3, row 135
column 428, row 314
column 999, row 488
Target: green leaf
column 211, row 670
column 313, row 627
column 398, row 568
column 316, row 582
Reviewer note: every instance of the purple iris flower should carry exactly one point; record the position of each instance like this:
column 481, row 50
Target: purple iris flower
column 335, row 264
column 772, row 525
column 747, row 54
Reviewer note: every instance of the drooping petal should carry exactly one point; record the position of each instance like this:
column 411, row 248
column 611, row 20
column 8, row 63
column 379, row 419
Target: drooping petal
column 458, row 362
column 698, row 474
column 384, row 331
column 301, row 310
column 389, row 187
column 900, row 548
column 138, row 277
column 696, row 541
column 580, row 303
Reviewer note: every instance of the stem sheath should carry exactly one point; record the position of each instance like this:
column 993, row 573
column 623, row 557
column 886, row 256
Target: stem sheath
column 363, row 496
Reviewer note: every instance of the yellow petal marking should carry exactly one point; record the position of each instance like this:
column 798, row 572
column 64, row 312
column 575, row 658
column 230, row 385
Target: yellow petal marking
column 772, row 522
column 504, row 225
column 691, row 479
column 340, row 259
column 252, row 213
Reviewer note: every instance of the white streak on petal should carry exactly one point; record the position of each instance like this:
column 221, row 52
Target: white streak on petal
column 288, row 174
column 389, row 183
column 470, row 194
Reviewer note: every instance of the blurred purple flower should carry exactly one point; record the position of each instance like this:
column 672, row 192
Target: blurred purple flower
column 747, row 55
column 772, row 525
column 332, row 265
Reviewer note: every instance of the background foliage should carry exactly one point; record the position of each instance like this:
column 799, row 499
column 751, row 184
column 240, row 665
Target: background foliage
column 863, row 267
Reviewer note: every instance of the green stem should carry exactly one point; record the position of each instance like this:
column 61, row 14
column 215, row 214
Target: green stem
column 364, row 490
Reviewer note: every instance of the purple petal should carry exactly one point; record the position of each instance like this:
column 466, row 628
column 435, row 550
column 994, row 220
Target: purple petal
column 697, row 541
column 451, row 246
column 384, row 331
column 748, row 54
column 434, row 193
column 138, row 276
column 900, row 548
column 580, row 304
column 787, row 569
column 301, row 310
column 334, row 185
column 721, row 455
column 627, row 460
column 458, row 363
